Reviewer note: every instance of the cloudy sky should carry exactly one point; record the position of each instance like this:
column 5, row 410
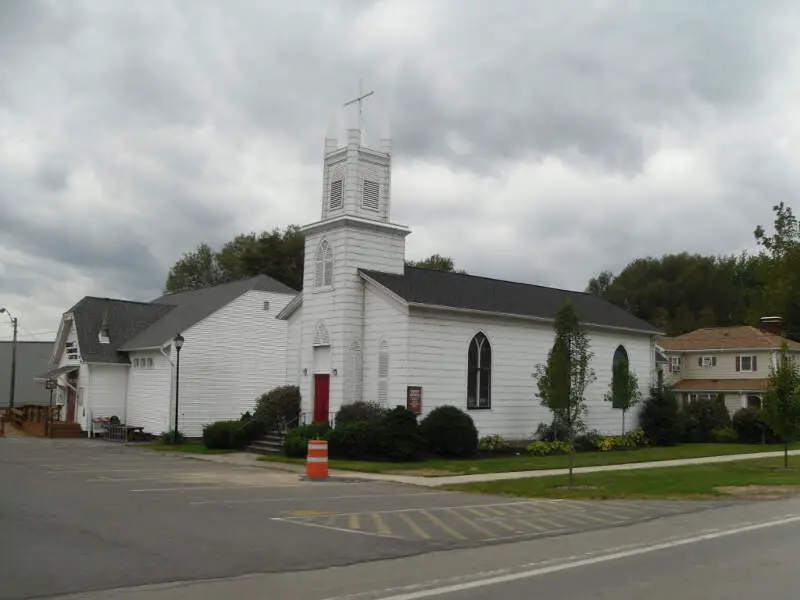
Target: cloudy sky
column 537, row 141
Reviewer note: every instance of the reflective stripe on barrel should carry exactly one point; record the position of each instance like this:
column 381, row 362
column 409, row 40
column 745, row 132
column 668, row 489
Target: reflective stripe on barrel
column 317, row 459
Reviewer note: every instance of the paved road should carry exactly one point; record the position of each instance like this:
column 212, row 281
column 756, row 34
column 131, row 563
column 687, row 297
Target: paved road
column 80, row 515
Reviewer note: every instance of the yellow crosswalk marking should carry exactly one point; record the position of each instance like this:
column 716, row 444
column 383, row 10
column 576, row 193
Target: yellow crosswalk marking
column 383, row 528
column 494, row 520
column 414, row 527
column 442, row 525
column 473, row 524
column 531, row 525
column 354, row 522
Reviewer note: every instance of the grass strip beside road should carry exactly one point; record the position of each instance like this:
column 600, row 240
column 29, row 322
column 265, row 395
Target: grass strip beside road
column 691, row 481
column 445, row 467
column 189, row 447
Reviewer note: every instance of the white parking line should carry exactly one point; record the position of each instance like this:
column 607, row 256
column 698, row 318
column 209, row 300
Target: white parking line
column 296, row 498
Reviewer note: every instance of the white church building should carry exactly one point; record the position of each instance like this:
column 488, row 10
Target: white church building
column 368, row 327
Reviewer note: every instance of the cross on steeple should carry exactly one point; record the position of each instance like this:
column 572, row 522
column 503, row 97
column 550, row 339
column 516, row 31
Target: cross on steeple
column 361, row 96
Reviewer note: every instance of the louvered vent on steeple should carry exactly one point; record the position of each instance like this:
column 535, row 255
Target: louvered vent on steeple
column 336, row 194
column 371, row 195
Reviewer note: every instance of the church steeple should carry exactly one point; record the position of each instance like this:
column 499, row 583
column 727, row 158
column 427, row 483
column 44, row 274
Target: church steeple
column 357, row 176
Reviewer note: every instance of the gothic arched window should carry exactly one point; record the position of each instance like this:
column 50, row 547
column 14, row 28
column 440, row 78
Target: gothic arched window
column 323, row 263
column 479, row 372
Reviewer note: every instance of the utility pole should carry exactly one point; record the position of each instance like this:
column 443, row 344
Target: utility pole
column 14, row 322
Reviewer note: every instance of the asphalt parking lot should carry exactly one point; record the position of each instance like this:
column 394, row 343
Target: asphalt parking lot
column 80, row 515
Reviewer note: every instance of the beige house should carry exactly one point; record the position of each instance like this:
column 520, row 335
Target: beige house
column 732, row 361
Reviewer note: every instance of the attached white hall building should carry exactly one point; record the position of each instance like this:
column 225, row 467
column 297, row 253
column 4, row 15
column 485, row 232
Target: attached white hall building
column 367, row 327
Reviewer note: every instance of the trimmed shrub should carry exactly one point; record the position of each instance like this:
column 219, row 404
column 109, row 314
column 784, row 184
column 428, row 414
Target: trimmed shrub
column 449, row 431
column 224, row 435
column 703, row 417
column 726, row 435
column 542, row 448
column 495, row 444
column 751, row 428
column 557, row 429
column 278, row 408
column 296, row 442
column 360, row 411
column 586, row 442
column 659, row 418
column 399, row 436
column 357, row 440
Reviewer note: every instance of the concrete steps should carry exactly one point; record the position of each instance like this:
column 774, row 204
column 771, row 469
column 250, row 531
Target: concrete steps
column 272, row 443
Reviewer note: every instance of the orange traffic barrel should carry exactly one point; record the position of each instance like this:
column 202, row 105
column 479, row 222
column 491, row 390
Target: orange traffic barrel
column 317, row 459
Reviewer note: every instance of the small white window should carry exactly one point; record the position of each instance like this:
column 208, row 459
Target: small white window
column 746, row 363
column 371, row 195
column 336, row 194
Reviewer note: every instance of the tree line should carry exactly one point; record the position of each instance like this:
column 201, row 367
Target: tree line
column 682, row 292
column 278, row 253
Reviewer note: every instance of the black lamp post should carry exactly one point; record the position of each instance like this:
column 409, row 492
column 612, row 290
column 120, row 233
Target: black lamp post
column 13, row 357
column 50, row 384
column 178, row 341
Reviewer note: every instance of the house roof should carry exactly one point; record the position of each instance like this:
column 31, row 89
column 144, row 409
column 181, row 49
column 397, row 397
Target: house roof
column 188, row 308
column 720, row 385
column 461, row 291
column 725, row 338
column 125, row 320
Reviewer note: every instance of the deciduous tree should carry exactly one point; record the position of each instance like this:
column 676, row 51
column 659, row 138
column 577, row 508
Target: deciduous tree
column 780, row 406
column 563, row 379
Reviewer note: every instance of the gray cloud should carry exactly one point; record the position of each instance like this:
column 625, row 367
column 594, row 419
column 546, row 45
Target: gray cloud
column 535, row 141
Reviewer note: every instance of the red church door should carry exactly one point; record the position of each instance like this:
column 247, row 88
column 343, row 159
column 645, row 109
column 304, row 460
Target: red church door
column 322, row 396
column 70, row 406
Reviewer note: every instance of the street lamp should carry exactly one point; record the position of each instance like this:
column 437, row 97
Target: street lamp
column 13, row 357
column 178, row 341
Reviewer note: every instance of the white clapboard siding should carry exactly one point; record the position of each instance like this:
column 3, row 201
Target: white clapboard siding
column 295, row 333
column 385, row 319
column 107, row 390
column 438, row 343
column 230, row 358
column 148, row 400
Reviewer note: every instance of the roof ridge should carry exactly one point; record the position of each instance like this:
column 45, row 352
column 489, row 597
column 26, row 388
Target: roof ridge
column 484, row 277
column 252, row 278
column 106, row 299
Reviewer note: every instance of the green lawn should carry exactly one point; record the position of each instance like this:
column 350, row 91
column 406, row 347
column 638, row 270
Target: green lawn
column 698, row 481
column 197, row 448
column 445, row 467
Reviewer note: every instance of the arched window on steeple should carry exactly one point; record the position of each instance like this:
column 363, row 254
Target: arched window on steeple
column 323, row 263
column 479, row 372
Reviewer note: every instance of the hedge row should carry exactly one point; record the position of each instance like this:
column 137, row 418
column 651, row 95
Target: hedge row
column 365, row 431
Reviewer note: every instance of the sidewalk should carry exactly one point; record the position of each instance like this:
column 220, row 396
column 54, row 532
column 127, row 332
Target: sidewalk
column 247, row 459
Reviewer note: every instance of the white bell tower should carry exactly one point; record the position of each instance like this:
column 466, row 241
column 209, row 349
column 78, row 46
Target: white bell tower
column 354, row 233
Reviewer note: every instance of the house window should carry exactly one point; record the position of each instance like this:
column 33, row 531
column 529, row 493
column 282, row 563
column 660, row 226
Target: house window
column 383, row 373
column 266, row 305
column 674, row 364
column 149, row 363
column 336, row 194
column 701, row 397
column 753, row 401
column 706, row 361
column 371, row 195
column 746, row 363
column 323, row 261
column 479, row 373
column 136, row 363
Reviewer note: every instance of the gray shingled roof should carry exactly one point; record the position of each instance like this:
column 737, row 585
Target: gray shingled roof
column 125, row 320
column 457, row 290
column 193, row 306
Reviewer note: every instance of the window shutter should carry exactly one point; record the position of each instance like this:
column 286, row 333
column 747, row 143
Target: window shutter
column 754, row 363
column 738, row 363
column 713, row 361
column 699, row 361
